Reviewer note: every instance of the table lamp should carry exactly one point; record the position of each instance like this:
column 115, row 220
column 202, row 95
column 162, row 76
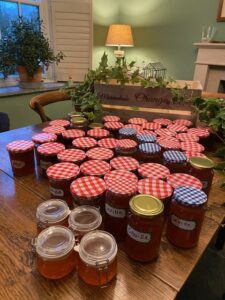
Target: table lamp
column 119, row 35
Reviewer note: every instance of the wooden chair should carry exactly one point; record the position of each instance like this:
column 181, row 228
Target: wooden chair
column 38, row 102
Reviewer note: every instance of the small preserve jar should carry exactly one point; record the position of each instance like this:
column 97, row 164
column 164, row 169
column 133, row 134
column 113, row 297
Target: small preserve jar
column 21, row 154
column 146, row 138
column 120, row 174
column 95, row 168
column 60, row 122
column 100, row 153
column 95, row 125
column 144, row 228
column 202, row 168
column 152, row 170
column 52, row 212
column 183, row 122
column 204, row 136
column 75, row 156
column 177, row 128
column 124, row 163
column 97, row 264
column 175, row 161
column 192, row 146
column 126, row 147
column 55, row 255
column 71, row 134
column 57, row 130
column 79, row 123
column 98, row 133
column 152, row 126
column 137, row 121
column 162, row 121
column 119, row 191
column 127, row 133
column 168, row 144
column 60, row 177
column 182, row 179
column 84, row 143
column 109, row 143
column 186, row 216
column 42, row 138
column 111, row 118
column 114, row 128
column 149, row 152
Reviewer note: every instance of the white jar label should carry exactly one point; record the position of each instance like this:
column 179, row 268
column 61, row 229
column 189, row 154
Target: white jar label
column 142, row 237
column 56, row 192
column 45, row 164
column 183, row 224
column 17, row 164
column 115, row 212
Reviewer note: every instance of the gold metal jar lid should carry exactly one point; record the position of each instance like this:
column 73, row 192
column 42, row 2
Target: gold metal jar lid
column 74, row 114
column 145, row 205
column 78, row 120
column 201, row 162
column 96, row 125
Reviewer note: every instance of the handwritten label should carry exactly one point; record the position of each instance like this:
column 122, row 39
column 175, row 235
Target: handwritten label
column 56, row 192
column 45, row 164
column 115, row 212
column 17, row 164
column 142, row 237
column 183, row 224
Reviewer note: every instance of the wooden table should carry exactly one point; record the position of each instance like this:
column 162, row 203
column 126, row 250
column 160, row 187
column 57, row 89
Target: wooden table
column 19, row 198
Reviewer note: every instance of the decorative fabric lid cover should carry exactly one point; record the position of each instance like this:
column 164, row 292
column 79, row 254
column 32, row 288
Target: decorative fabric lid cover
column 122, row 186
column 20, row 146
column 98, row 133
column 149, row 148
column 153, row 170
column 182, row 179
column 100, row 153
column 134, row 126
column 54, row 129
column 189, row 196
column 137, row 121
column 146, row 138
column 124, row 163
column 109, row 143
column 162, row 121
column 73, row 133
column 155, row 187
column 152, row 126
column 183, row 122
column 71, row 155
column 41, row 138
column 111, row 118
column 95, row 168
column 120, row 174
column 87, row 187
column 63, row 171
column 192, row 146
column 50, row 148
column 84, row 142
column 113, row 125
column 63, row 123
column 174, row 157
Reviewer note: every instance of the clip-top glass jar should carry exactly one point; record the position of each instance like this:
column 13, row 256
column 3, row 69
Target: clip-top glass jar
column 97, row 264
column 52, row 212
column 55, row 255
column 186, row 216
column 144, row 228
column 202, row 168
column 175, row 161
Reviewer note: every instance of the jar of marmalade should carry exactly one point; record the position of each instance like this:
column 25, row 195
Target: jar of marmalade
column 52, row 212
column 119, row 191
column 63, row 123
column 109, row 143
column 42, row 138
column 137, row 121
column 120, row 174
column 57, row 130
column 75, row 156
column 168, row 144
column 192, row 146
column 114, row 128
column 84, row 143
column 95, row 168
column 152, row 170
column 95, row 125
column 98, row 133
column 144, row 228
column 97, row 263
column 136, row 127
column 182, row 179
column 111, row 118
column 21, row 154
column 55, row 255
column 204, row 136
column 152, row 126
column 186, row 216
column 124, row 163
column 175, row 161
column 190, row 154
column 127, row 133
column 100, row 153
column 183, row 122
column 177, row 128
column 146, row 138
column 71, row 134
column 48, row 155
column 60, row 177
column 187, row 137
column 149, row 152
column 79, row 123
column 162, row 121
column 126, row 147
column 202, row 168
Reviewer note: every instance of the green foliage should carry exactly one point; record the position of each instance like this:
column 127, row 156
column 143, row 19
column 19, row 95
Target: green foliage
column 25, row 45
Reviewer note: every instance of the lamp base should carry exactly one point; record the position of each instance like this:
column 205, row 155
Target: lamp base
column 119, row 53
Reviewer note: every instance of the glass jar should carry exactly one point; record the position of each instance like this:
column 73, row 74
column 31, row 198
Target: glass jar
column 100, row 153
column 109, row 143
column 175, row 161
column 21, row 154
column 168, row 144
column 126, row 147
column 146, row 138
column 88, row 190
column 63, row 123
column 55, row 252
column 52, row 212
column 57, row 130
column 178, row 128
column 75, row 156
column 95, row 168
column 162, row 121
column 119, row 192
column 202, row 168
column 137, row 121
column 144, row 228
column 186, row 216
column 204, row 136
column 149, row 152
column 71, row 134
column 120, row 174
column 164, row 132
column 153, row 170
column 95, row 125
column 79, row 123
column 48, row 155
column 185, row 137
column 60, row 177
column 183, row 122
column 190, row 154
column 136, row 127
column 42, row 138
column 157, row 188
column 113, row 128
column 84, row 143
column 192, row 146
column 97, row 264
column 111, row 118
column 124, row 163
column 98, row 133
column 152, row 126
column 74, row 114
column 127, row 133
column 182, row 179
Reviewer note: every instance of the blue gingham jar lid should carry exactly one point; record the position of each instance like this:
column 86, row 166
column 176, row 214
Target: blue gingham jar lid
column 146, row 138
column 174, row 156
column 189, row 196
column 149, row 148
column 127, row 131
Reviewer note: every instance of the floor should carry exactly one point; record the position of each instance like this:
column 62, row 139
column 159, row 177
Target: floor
column 207, row 281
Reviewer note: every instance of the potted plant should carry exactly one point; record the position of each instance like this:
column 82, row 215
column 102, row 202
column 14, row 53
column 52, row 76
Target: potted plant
column 24, row 48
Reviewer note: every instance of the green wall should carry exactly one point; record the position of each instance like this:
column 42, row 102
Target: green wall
column 163, row 30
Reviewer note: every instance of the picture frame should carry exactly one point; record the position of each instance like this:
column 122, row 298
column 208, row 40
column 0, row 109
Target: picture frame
column 221, row 11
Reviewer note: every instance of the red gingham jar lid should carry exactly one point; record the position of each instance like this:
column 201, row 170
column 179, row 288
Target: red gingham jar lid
column 137, row 121
column 165, row 132
column 111, row 118
column 100, row 153
column 20, row 146
column 162, row 121
column 177, row 128
column 190, row 154
column 63, row 171
column 84, row 142
column 95, row 168
column 120, row 174
column 192, row 146
column 145, row 131
column 63, row 123
column 152, row 126
column 121, row 186
column 183, row 122
column 155, row 187
column 98, row 133
column 71, row 155
column 200, row 132
column 109, row 143
column 41, row 138
column 153, row 170
column 113, row 125
column 87, row 187
column 126, row 144
column 187, row 137
column 168, row 138
column 134, row 126
column 50, row 148
column 54, row 129
column 73, row 134
column 168, row 144
column 124, row 163
column 182, row 179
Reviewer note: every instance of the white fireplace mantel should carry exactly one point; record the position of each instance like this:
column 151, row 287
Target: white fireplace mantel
column 209, row 54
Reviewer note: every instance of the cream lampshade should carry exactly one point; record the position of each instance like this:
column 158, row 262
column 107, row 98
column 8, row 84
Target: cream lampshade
column 119, row 35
